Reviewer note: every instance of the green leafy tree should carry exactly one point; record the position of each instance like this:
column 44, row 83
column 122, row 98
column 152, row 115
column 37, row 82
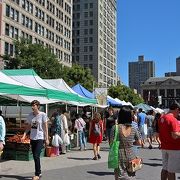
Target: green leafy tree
column 46, row 64
column 36, row 56
column 125, row 93
column 78, row 74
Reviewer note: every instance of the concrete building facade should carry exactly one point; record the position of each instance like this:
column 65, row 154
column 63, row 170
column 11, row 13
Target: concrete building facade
column 94, row 38
column 161, row 91
column 139, row 72
column 47, row 22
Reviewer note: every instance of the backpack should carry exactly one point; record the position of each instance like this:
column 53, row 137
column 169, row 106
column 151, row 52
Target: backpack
column 97, row 129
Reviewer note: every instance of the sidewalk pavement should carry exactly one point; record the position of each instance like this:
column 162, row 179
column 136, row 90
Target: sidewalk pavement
column 14, row 167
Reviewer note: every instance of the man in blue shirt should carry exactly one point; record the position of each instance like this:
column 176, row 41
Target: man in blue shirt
column 141, row 121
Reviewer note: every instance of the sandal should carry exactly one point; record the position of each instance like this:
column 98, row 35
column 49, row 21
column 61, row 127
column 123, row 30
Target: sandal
column 95, row 158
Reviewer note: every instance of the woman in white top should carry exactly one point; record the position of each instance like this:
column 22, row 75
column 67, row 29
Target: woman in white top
column 80, row 126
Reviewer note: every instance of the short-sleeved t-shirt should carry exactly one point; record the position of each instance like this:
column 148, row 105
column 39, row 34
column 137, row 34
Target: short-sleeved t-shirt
column 141, row 118
column 36, row 122
column 168, row 124
column 149, row 120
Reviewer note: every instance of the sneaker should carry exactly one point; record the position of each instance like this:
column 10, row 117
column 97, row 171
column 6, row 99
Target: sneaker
column 95, row 158
column 99, row 157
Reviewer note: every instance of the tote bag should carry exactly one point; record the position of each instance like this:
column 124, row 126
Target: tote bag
column 113, row 157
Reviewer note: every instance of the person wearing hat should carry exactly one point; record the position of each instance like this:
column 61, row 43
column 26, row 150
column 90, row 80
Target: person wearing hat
column 169, row 134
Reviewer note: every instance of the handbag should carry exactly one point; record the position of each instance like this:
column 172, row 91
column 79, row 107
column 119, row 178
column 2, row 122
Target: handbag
column 113, row 156
column 133, row 165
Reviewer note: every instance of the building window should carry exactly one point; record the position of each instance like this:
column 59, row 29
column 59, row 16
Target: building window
column 90, row 57
column 85, row 14
column 7, row 29
column 7, row 10
column 6, row 48
column 85, row 57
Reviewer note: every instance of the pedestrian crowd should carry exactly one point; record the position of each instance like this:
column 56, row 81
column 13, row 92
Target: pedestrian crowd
column 132, row 128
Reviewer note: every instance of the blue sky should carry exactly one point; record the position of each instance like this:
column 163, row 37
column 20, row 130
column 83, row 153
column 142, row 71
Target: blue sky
column 150, row 28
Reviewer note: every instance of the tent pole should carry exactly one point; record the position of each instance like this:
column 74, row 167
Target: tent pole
column 20, row 114
column 46, row 109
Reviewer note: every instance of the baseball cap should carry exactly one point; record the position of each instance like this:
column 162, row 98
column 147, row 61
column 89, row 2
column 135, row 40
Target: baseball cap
column 174, row 105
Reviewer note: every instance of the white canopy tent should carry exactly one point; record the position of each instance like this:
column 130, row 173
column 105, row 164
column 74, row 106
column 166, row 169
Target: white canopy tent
column 28, row 77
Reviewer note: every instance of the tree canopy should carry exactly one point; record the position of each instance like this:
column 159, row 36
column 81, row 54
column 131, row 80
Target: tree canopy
column 125, row 93
column 46, row 64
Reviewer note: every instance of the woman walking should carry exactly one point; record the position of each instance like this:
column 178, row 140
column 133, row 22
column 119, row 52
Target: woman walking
column 96, row 134
column 128, row 135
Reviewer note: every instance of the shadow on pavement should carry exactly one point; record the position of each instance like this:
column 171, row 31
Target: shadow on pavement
column 156, row 159
column 79, row 158
column 153, row 164
column 100, row 173
column 16, row 177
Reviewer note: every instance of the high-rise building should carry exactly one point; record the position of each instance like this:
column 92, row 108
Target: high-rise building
column 94, row 38
column 139, row 72
column 47, row 22
column 178, row 66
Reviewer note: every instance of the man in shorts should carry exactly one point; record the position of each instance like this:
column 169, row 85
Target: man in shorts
column 169, row 134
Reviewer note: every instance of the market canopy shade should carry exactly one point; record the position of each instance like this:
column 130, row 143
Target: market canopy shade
column 144, row 107
column 29, row 77
column 112, row 102
column 83, row 91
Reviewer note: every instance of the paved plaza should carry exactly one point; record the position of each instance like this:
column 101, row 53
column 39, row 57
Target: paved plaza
column 78, row 165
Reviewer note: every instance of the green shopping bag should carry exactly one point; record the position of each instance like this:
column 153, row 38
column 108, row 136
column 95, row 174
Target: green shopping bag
column 113, row 156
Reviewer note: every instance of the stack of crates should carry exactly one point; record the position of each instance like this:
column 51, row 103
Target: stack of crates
column 19, row 151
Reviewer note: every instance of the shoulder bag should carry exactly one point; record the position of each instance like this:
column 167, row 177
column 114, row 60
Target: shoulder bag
column 113, row 157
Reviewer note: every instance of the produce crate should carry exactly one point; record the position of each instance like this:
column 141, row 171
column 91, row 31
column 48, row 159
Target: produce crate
column 10, row 145
column 23, row 147
column 9, row 154
column 24, row 155
column 27, row 155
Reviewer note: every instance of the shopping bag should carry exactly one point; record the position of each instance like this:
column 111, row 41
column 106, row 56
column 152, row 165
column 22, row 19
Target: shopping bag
column 56, row 140
column 66, row 139
column 113, row 156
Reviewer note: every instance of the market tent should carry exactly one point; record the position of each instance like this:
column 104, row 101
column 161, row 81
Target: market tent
column 60, row 84
column 17, row 90
column 144, row 107
column 21, row 92
column 124, row 103
column 83, row 91
column 30, row 78
column 112, row 102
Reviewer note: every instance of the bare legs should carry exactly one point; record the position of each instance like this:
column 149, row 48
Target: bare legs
column 96, row 149
column 165, row 175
